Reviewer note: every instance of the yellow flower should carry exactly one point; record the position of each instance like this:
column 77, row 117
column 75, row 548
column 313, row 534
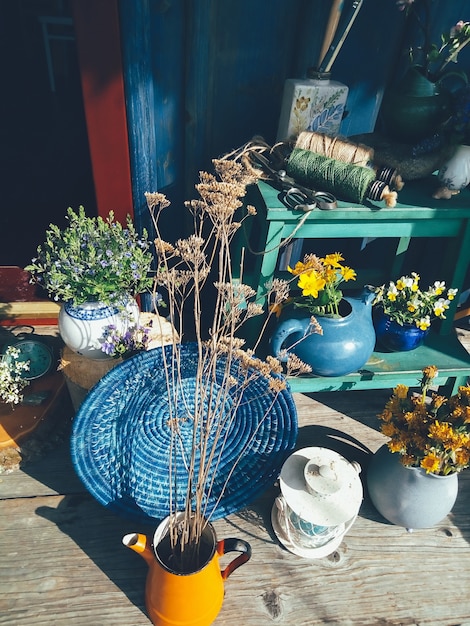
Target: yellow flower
column 348, row 273
column 441, row 430
column 401, row 391
column 330, row 275
column 424, row 323
column 438, row 401
column 451, row 293
column 395, row 446
column 462, row 457
column 464, row 391
column 311, row 283
column 323, row 275
column 440, row 306
column 430, row 371
column 333, row 259
column 388, row 429
column 430, row 463
column 298, row 269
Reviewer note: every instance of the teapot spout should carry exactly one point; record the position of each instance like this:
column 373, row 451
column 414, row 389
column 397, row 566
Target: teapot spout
column 139, row 543
column 368, row 294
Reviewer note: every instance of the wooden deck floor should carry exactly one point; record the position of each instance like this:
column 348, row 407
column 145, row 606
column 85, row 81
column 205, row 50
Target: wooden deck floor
column 62, row 561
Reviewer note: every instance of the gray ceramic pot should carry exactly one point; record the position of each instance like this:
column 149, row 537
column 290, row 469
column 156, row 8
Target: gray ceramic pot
column 407, row 496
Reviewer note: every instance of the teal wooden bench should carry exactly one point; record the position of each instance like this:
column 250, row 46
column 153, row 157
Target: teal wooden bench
column 417, row 215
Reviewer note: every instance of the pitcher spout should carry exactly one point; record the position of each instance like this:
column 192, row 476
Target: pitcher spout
column 139, row 543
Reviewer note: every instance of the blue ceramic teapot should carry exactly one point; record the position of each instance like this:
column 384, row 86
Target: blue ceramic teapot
column 345, row 345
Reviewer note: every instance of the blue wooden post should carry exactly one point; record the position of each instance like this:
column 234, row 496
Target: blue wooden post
column 153, row 48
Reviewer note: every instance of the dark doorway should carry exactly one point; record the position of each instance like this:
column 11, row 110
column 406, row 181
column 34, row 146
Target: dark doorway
column 45, row 163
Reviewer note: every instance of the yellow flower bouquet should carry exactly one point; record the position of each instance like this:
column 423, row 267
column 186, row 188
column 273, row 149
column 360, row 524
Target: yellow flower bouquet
column 429, row 432
column 406, row 303
column 319, row 280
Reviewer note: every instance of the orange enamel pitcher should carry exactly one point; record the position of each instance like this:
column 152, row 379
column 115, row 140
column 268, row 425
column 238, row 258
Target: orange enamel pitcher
column 192, row 598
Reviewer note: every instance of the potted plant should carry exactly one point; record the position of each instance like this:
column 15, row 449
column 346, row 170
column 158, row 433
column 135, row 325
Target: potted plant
column 404, row 312
column 433, row 59
column 412, row 479
column 333, row 334
column 200, row 426
column 150, row 332
column 415, row 109
column 94, row 267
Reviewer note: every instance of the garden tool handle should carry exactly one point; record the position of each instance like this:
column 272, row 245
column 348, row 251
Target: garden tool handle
column 234, row 545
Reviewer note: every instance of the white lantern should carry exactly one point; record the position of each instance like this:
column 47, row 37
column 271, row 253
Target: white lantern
column 321, row 494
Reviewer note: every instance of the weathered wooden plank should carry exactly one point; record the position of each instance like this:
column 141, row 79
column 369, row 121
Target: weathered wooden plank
column 51, row 474
column 62, row 561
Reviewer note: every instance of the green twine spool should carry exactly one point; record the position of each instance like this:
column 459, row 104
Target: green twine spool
column 347, row 181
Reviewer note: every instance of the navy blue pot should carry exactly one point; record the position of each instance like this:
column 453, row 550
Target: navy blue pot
column 393, row 337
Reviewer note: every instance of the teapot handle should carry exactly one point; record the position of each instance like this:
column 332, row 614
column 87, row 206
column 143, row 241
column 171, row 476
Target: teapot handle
column 281, row 334
column 233, row 545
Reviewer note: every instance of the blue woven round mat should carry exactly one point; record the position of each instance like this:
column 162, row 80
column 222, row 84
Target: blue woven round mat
column 122, row 448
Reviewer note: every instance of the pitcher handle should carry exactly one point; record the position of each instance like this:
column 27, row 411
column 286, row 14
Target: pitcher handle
column 234, row 545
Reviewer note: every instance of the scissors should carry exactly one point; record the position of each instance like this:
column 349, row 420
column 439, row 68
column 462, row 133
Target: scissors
column 295, row 196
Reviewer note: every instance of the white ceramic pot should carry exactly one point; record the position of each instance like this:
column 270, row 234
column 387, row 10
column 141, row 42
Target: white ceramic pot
column 455, row 173
column 82, row 326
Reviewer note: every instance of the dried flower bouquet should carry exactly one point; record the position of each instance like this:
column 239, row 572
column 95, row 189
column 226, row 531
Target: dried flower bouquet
column 206, row 305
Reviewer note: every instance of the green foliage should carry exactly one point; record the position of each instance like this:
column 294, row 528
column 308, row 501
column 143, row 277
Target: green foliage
column 92, row 259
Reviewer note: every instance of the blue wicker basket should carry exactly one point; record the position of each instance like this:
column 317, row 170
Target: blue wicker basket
column 122, row 448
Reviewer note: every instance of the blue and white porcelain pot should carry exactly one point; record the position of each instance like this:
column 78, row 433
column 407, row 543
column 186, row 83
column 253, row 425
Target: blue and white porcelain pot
column 82, row 326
